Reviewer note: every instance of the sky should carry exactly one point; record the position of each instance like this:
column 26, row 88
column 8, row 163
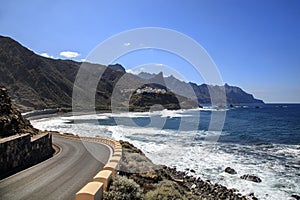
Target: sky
column 254, row 44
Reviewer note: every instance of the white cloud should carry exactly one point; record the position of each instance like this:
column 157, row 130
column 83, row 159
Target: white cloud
column 130, row 71
column 127, row 44
column 83, row 60
column 46, row 55
column 135, row 71
column 69, row 54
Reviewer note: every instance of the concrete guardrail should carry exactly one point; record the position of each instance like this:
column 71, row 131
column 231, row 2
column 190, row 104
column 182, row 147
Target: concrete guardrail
column 91, row 191
column 104, row 176
column 94, row 190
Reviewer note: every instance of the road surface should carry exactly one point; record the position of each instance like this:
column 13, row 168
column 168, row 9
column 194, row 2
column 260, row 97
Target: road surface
column 59, row 177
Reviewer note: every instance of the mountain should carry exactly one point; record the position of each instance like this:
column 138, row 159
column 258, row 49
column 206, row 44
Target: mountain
column 117, row 67
column 35, row 82
column 234, row 95
column 145, row 75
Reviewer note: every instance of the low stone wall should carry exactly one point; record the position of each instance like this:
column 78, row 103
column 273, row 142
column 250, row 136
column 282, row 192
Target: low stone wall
column 21, row 151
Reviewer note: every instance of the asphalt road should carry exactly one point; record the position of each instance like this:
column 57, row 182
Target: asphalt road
column 59, row 177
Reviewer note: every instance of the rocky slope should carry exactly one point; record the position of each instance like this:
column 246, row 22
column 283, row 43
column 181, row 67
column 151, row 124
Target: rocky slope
column 35, row 82
column 11, row 120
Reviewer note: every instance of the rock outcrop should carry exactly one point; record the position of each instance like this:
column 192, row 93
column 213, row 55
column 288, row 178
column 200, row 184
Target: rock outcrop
column 21, row 145
column 117, row 67
column 250, row 177
column 11, row 120
column 158, row 101
column 297, row 197
column 230, row 170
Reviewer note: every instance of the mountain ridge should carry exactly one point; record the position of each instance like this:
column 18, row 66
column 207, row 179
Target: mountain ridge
column 234, row 94
column 35, row 82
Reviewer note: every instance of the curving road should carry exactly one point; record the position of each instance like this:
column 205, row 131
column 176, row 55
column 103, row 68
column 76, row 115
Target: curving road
column 59, row 177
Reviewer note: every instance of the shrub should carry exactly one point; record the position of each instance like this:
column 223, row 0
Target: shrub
column 123, row 188
column 165, row 190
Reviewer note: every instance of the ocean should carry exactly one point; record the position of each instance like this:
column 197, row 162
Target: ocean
column 261, row 140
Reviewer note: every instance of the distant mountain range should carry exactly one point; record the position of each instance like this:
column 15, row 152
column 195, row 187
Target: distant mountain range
column 35, row 82
column 234, row 95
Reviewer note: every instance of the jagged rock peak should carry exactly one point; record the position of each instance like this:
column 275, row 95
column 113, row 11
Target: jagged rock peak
column 157, row 81
column 117, row 67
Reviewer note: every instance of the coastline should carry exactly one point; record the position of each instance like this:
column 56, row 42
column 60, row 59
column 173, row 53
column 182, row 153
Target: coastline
column 161, row 181
column 41, row 115
column 152, row 177
column 219, row 165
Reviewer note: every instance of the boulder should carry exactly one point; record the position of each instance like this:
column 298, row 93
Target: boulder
column 230, row 170
column 250, row 177
column 295, row 196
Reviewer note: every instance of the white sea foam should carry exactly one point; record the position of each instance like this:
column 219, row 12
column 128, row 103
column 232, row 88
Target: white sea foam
column 162, row 113
column 212, row 108
column 277, row 165
column 85, row 117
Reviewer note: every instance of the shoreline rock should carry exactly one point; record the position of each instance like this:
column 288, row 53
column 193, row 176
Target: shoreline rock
column 295, row 196
column 230, row 170
column 160, row 181
column 251, row 177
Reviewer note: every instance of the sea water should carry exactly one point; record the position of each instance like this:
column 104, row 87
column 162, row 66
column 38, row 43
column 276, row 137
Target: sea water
column 261, row 140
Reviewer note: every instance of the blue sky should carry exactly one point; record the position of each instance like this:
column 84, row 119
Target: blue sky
column 255, row 44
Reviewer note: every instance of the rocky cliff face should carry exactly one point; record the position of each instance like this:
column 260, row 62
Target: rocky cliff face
column 11, row 120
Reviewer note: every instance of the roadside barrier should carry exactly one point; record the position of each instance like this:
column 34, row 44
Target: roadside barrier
column 104, row 176
column 112, row 166
column 115, row 158
column 91, row 191
column 94, row 190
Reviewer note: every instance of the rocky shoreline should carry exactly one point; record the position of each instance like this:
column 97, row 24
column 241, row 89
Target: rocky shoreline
column 163, row 182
